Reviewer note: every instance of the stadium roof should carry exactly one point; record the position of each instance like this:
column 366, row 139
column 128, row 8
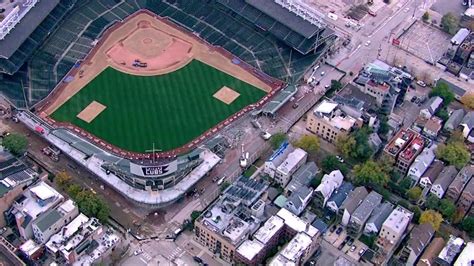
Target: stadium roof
column 25, row 27
column 285, row 17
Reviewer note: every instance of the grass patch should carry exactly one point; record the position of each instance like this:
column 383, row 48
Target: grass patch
column 168, row 110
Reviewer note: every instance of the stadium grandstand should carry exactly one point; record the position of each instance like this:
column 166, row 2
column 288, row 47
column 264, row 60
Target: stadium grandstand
column 276, row 37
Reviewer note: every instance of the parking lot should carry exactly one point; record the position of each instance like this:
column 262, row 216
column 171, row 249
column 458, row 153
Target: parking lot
column 425, row 41
column 345, row 244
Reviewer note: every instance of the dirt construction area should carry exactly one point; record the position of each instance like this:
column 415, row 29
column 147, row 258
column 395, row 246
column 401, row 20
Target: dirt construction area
column 146, row 45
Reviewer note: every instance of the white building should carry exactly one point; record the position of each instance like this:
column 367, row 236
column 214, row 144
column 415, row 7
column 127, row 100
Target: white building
column 53, row 220
column 329, row 183
column 294, row 160
column 445, row 178
column 277, row 158
column 421, row 164
column 431, row 107
column 80, row 235
column 36, row 201
column 467, row 255
column 394, row 226
column 450, row 251
column 296, row 252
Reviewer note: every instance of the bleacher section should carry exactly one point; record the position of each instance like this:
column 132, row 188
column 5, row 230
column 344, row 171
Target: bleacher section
column 258, row 40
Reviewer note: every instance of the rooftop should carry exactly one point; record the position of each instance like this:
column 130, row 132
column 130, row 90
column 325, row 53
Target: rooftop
column 57, row 240
column 354, row 199
column 434, row 124
column 432, row 251
column 467, row 255
column 54, row 215
column 333, row 115
column 293, row 251
column 413, row 149
column 380, row 214
column 325, row 107
column 291, row 14
column 451, row 250
column 246, row 190
column 296, row 223
column 364, row 210
column 97, row 248
column 446, row 176
column 382, row 86
column 400, row 141
column 454, row 119
column 250, row 248
column 269, row 229
column 228, row 218
column 434, row 170
column 38, row 199
column 30, row 247
column 420, row 237
column 398, row 220
column 341, row 193
column 329, row 183
column 21, row 19
column 292, row 161
column 303, row 176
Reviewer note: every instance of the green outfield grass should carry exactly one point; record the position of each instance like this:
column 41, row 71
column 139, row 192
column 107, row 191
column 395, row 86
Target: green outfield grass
column 168, row 110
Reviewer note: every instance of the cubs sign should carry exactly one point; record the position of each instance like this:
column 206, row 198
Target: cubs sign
column 153, row 170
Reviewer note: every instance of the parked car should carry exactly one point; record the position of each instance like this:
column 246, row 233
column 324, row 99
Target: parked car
column 341, row 245
column 353, row 248
column 350, row 241
column 361, row 252
column 197, row 259
column 339, row 231
column 339, row 158
column 332, row 229
column 367, row 43
column 421, row 83
column 322, row 73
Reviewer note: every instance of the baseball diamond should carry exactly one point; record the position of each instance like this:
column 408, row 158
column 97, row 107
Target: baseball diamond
column 168, row 110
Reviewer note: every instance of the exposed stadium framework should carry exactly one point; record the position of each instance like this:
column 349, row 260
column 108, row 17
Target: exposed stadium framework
column 266, row 35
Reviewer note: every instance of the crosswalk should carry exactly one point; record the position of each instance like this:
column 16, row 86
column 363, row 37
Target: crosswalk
column 146, row 256
column 178, row 252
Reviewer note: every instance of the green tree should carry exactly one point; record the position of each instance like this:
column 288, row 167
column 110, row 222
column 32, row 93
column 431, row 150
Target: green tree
column 277, row 139
column 345, row 144
column 405, row 184
column 454, row 153
column 432, row 202
column 468, row 225
column 314, row 183
column 309, row 143
column 442, row 90
column 194, row 216
column 447, row 209
column 383, row 127
column 362, row 150
column 414, row 194
column 331, row 163
column 442, row 113
column 416, row 213
column 15, row 143
column 370, row 173
column 336, row 85
column 433, row 217
column 73, row 190
column 426, row 16
column 225, row 185
column 450, row 23
column 63, row 179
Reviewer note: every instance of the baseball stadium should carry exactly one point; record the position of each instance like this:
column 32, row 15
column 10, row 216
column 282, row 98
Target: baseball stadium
column 138, row 91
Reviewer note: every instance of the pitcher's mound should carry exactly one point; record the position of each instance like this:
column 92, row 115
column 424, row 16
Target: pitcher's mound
column 226, row 95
